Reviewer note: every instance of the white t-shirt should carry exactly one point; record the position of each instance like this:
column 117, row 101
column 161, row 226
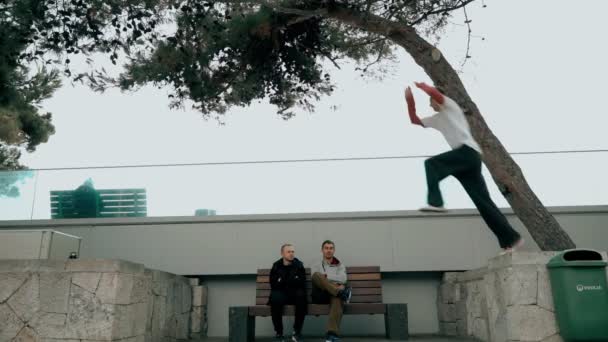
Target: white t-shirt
column 450, row 121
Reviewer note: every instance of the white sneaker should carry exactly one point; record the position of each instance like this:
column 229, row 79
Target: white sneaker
column 433, row 209
column 513, row 248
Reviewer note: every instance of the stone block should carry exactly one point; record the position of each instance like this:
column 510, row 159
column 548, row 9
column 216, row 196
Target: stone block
column 554, row 338
column 51, row 265
column 141, row 338
column 522, row 285
column 480, row 329
column 162, row 276
column 183, row 326
column 55, row 291
column 194, row 281
column 496, row 306
column 171, row 326
column 130, row 320
column 10, row 324
column 9, row 283
column 520, row 258
column 141, row 289
column 19, row 266
column 474, row 305
column 115, row 288
column 197, row 296
column 461, row 309
column 26, row 335
column 448, row 293
column 159, row 316
column 530, row 323
column 448, row 329
column 196, row 319
column 472, row 275
column 51, row 325
column 545, row 296
column 87, row 280
column 104, row 265
column 450, row 277
column 461, row 328
column 88, row 318
column 447, row 313
column 186, row 294
column 150, row 311
column 160, row 288
column 26, row 301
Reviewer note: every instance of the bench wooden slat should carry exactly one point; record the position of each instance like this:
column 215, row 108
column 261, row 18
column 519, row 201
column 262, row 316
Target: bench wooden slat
column 354, row 299
column 314, row 309
column 353, row 284
column 349, row 270
column 361, row 276
column 355, row 291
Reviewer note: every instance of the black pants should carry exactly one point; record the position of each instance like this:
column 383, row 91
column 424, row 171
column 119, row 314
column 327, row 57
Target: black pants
column 464, row 163
column 278, row 300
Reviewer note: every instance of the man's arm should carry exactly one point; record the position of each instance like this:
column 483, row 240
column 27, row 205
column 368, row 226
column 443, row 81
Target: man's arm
column 411, row 107
column 301, row 283
column 431, row 91
column 274, row 278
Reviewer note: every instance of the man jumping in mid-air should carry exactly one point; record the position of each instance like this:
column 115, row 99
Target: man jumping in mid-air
column 462, row 162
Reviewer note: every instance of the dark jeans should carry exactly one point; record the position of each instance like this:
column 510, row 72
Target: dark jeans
column 464, row 163
column 277, row 302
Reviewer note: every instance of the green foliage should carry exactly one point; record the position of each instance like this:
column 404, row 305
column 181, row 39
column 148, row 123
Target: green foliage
column 225, row 53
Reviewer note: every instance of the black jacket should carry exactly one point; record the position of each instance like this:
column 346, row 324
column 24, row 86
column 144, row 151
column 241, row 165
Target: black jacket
column 288, row 278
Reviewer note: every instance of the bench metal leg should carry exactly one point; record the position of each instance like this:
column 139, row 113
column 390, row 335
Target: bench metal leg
column 241, row 326
column 395, row 321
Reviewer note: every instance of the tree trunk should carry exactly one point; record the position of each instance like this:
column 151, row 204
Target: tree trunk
column 543, row 227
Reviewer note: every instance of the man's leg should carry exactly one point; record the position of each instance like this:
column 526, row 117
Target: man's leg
column 475, row 185
column 439, row 167
column 278, row 300
column 336, row 308
column 301, row 304
column 322, row 283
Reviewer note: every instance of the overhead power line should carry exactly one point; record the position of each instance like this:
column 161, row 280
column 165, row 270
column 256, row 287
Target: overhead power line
column 312, row 160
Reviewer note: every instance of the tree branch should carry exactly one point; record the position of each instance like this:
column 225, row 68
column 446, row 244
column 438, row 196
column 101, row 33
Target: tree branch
column 468, row 23
column 443, row 10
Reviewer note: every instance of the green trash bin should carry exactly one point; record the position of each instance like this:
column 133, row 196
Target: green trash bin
column 580, row 295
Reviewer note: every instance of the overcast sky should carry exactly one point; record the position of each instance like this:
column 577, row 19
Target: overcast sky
column 539, row 78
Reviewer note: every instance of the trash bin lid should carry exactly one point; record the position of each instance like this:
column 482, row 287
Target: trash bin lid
column 578, row 258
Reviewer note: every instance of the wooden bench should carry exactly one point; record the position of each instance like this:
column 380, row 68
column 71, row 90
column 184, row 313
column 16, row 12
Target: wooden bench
column 366, row 284
column 114, row 203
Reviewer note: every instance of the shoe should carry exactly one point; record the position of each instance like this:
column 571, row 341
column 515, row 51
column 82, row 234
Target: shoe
column 296, row 337
column 332, row 338
column 433, row 209
column 279, row 338
column 345, row 295
column 515, row 246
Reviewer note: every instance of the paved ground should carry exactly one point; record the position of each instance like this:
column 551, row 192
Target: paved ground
column 358, row 339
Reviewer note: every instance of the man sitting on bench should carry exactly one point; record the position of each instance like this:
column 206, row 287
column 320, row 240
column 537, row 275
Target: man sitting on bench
column 288, row 287
column 329, row 281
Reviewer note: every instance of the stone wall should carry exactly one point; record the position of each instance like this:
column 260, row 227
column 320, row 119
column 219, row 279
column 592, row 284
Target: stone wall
column 92, row 300
column 198, row 318
column 509, row 300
